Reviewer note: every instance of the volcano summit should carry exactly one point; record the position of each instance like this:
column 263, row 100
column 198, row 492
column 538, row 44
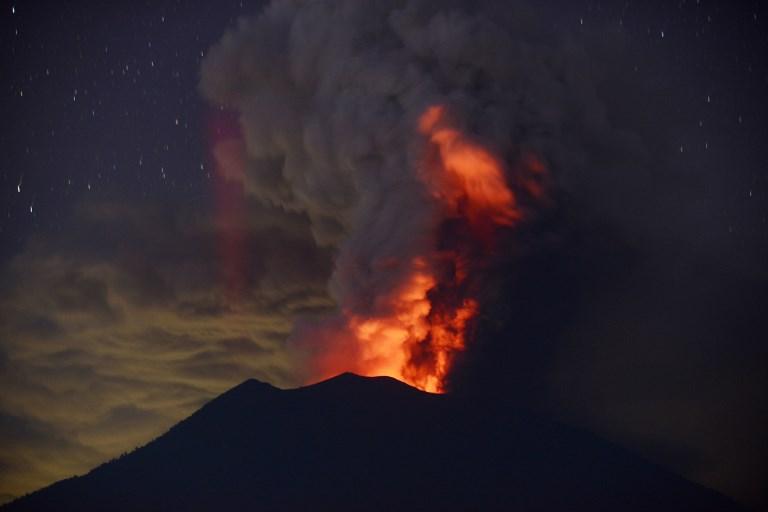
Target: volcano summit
column 359, row 443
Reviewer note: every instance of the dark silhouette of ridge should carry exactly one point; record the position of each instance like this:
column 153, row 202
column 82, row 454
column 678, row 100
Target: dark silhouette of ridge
column 358, row 443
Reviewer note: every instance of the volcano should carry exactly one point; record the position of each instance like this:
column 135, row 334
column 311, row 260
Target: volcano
column 371, row 443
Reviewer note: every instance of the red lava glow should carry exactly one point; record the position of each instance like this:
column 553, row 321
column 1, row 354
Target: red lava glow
column 228, row 157
column 428, row 314
column 416, row 341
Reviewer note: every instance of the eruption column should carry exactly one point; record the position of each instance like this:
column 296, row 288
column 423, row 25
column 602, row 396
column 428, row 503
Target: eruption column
column 418, row 328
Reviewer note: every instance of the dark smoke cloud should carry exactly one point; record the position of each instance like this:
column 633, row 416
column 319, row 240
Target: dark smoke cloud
column 329, row 94
column 615, row 303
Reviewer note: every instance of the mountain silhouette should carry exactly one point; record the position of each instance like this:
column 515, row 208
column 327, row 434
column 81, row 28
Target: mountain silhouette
column 370, row 444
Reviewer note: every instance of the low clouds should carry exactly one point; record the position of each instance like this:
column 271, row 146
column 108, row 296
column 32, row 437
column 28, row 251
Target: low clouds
column 35, row 452
column 120, row 325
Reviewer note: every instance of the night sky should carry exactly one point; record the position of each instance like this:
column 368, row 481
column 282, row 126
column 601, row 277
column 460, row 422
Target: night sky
column 139, row 279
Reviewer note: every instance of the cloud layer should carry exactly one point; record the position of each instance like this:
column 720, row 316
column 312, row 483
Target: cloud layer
column 121, row 324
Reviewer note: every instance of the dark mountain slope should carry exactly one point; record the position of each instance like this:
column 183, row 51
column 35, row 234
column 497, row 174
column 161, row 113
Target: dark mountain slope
column 355, row 443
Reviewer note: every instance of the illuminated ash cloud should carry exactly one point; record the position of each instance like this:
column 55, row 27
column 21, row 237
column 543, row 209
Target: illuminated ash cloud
column 410, row 134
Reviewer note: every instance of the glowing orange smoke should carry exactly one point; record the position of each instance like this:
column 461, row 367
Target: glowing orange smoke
column 227, row 154
column 389, row 344
column 421, row 324
column 467, row 179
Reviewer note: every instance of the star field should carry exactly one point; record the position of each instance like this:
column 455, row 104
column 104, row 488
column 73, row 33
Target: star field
column 102, row 100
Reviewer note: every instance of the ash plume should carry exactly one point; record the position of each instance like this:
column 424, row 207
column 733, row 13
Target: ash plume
column 330, row 95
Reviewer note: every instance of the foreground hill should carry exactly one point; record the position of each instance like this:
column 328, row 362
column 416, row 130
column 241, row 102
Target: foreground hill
column 355, row 443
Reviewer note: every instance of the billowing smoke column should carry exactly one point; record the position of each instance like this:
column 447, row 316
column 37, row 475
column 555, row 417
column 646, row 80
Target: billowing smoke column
column 416, row 323
column 413, row 322
column 399, row 130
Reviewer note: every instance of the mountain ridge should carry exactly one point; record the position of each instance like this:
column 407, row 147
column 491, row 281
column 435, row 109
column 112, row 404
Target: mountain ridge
column 371, row 443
